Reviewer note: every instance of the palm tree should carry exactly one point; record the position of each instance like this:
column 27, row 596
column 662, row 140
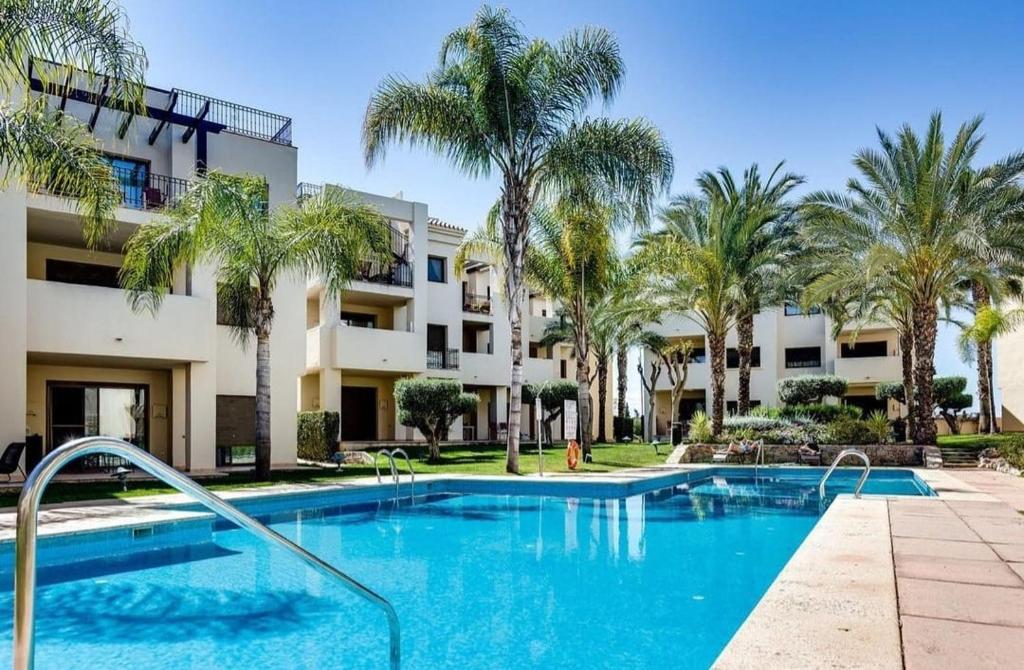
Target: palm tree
column 910, row 223
column 570, row 258
column 225, row 220
column 693, row 263
column 87, row 38
column 765, row 268
column 989, row 323
column 499, row 101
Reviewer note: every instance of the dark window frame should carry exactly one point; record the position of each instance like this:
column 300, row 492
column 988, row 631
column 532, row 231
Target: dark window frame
column 796, row 362
column 867, row 349
column 795, row 310
column 431, row 260
column 732, row 358
column 347, row 319
column 57, row 266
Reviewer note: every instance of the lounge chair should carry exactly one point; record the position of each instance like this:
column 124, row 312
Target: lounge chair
column 722, row 455
column 810, row 454
column 10, row 461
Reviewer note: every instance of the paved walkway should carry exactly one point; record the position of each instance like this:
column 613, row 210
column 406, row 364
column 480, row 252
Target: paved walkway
column 959, row 567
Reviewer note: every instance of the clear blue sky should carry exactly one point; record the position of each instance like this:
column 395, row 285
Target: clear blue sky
column 729, row 83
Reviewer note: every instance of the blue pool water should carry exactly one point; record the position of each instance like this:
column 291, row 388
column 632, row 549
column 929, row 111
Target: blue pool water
column 653, row 579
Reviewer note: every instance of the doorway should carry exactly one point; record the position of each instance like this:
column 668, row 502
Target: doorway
column 358, row 413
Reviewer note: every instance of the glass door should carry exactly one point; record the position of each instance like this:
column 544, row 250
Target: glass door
column 84, row 410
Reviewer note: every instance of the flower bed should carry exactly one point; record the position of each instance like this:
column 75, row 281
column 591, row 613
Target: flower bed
column 890, row 455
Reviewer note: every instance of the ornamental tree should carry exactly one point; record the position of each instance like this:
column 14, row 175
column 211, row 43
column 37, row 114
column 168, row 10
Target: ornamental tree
column 430, row 406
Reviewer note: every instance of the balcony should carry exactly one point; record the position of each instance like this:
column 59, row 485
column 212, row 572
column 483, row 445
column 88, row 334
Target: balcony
column 96, row 321
column 398, row 272
column 476, row 303
column 444, row 359
column 367, row 349
column 139, row 190
column 871, row 369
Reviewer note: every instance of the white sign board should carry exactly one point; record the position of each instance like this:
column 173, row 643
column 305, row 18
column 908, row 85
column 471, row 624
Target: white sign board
column 570, row 420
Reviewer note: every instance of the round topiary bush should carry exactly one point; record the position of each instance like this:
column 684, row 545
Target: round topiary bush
column 810, row 388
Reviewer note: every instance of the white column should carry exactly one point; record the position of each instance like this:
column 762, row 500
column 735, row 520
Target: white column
column 13, row 302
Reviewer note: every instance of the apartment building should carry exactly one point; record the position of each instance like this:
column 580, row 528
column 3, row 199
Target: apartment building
column 787, row 342
column 1009, row 381
column 76, row 360
column 417, row 317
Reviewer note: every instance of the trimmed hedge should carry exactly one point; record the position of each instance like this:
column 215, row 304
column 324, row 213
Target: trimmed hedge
column 318, row 435
column 820, row 412
column 810, row 388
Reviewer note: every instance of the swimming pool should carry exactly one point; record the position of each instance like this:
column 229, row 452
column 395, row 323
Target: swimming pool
column 484, row 574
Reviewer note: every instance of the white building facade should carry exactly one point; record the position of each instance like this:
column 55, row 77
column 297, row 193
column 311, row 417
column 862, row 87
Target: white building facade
column 76, row 359
column 787, row 342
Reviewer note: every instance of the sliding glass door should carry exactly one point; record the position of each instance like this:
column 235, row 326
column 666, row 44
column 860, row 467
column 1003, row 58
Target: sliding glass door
column 85, row 409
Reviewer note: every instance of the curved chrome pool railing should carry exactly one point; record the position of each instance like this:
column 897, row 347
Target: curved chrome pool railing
column 408, row 463
column 391, row 465
column 28, row 521
column 843, row 454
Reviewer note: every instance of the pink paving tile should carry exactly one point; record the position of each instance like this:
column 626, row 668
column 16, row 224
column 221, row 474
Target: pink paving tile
column 961, row 570
column 978, row 551
column 999, row 605
column 1018, row 568
column 936, row 644
column 1009, row 552
column 1003, row 531
column 934, row 528
column 971, row 508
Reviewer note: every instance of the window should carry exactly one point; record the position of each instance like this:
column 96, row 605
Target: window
column 732, row 406
column 732, row 357
column 562, row 369
column 132, row 175
column 803, row 357
column 862, row 349
column 82, row 409
column 795, row 310
column 358, row 319
column 698, row 355
column 436, row 269
column 73, row 272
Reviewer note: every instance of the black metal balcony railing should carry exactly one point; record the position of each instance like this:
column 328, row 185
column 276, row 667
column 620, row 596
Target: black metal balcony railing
column 443, row 359
column 476, row 302
column 236, row 118
column 396, row 273
column 139, row 190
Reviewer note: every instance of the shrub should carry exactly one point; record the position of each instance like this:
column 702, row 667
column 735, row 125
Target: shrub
column 317, row 437
column 1012, row 450
column 766, row 410
column 430, row 406
column 810, row 388
column 848, row 431
column 700, row 427
column 947, row 393
column 821, row 412
column 772, row 430
column 878, row 424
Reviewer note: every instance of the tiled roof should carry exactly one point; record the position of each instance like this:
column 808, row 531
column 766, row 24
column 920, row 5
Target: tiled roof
column 434, row 221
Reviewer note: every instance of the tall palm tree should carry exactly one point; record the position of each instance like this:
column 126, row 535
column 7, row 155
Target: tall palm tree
column 765, row 268
column 499, row 101
column 909, row 222
column 988, row 324
column 571, row 259
column 693, row 264
column 90, row 39
column 225, row 220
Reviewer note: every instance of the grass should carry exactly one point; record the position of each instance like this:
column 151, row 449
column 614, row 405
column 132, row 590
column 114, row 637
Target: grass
column 477, row 461
column 978, row 442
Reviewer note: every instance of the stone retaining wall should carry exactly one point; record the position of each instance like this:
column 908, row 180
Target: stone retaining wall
column 880, row 454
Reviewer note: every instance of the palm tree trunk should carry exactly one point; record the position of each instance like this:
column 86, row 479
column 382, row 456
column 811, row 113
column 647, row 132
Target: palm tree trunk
column 745, row 335
column 907, row 363
column 622, row 363
column 263, row 405
column 583, row 401
column 980, row 299
column 716, row 343
column 515, row 209
column 602, row 399
column 925, row 327
column 994, row 428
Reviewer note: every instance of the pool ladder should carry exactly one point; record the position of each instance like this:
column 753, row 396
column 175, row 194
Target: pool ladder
column 843, row 454
column 394, row 470
column 28, row 526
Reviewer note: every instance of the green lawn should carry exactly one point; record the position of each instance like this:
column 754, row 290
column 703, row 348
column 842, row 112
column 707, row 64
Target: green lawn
column 975, row 441
column 477, row 461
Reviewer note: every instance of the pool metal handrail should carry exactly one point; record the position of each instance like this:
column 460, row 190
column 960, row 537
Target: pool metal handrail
column 408, row 463
column 391, row 465
column 28, row 526
column 843, row 454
